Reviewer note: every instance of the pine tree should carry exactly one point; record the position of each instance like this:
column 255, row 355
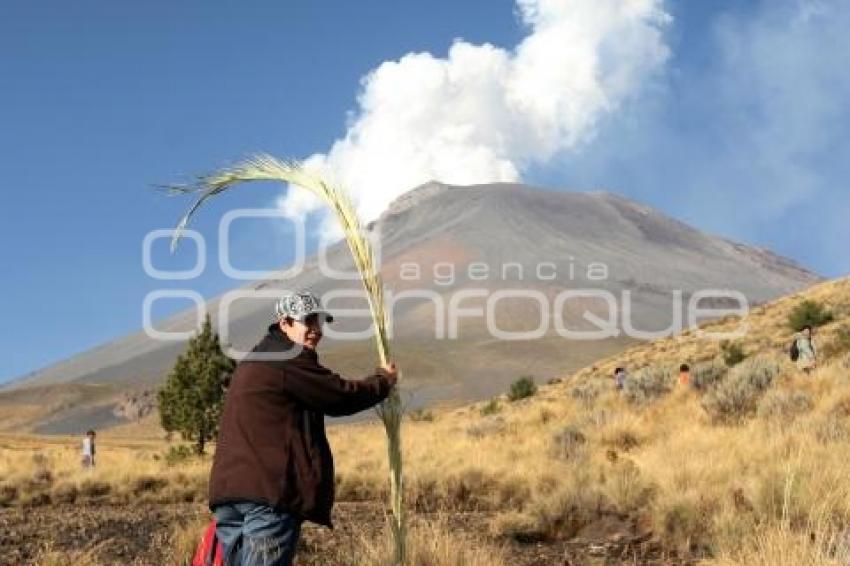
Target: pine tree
column 192, row 398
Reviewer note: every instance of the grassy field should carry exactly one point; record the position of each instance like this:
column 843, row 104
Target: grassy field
column 751, row 468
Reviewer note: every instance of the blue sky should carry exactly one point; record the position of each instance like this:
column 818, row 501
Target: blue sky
column 740, row 130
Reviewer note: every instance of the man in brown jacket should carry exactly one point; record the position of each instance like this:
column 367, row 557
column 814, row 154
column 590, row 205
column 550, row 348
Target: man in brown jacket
column 273, row 467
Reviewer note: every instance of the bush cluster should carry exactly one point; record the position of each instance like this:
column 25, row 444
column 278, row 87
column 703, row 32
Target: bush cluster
column 491, row 408
column 708, row 374
column 732, row 352
column 809, row 313
column 647, row 385
column 737, row 396
column 522, row 388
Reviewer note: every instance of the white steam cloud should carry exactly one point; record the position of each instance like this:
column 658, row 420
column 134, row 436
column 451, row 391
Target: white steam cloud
column 749, row 138
column 484, row 113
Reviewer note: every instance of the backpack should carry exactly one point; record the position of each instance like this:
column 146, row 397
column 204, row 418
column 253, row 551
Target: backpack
column 794, row 351
column 209, row 551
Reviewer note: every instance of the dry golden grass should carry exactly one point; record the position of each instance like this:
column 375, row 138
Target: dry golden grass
column 771, row 489
column 429, row 543
column 87, row 557
column 180, row 543
column 705, row 486
column 184, row 540
column 41, row 470
column 708, row 489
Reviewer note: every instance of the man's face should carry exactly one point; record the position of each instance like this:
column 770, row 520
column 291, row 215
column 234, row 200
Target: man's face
column 307, row 333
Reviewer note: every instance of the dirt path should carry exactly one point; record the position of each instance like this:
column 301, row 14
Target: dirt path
column 140, row 534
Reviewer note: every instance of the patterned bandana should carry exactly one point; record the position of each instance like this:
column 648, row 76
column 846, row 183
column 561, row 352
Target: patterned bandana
column 299, row 306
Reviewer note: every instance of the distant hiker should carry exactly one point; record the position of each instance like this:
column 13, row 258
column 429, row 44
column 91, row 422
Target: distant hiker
column 803, row 350
column 684, row 374
column 273, row 466
column 89, row 449
column 620, row 378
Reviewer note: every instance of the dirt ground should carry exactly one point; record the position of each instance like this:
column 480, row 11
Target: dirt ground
column 139, row 535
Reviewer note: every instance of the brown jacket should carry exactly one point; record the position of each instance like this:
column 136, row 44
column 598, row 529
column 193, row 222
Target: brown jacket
column 272, row 447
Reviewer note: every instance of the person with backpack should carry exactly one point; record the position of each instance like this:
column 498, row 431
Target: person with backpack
column 273, row 467
column 804, row 350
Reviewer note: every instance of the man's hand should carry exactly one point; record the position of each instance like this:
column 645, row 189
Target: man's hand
column 391, row 373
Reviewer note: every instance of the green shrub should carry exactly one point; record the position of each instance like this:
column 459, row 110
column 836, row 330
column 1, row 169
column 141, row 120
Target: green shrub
column 809, row 313
column 192, row 398
column 647, row 385
column 732, row 352
column 709, row 373
column 522, row 388
column 491, row 408
column 737, row 396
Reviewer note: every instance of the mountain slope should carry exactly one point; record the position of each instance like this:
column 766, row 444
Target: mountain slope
column 529, row 239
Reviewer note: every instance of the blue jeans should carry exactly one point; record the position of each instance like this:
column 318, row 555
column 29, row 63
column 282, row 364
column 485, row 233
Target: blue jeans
column 256, row 535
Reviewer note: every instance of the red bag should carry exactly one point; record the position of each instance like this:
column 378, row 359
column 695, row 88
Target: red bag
column 209, row 551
